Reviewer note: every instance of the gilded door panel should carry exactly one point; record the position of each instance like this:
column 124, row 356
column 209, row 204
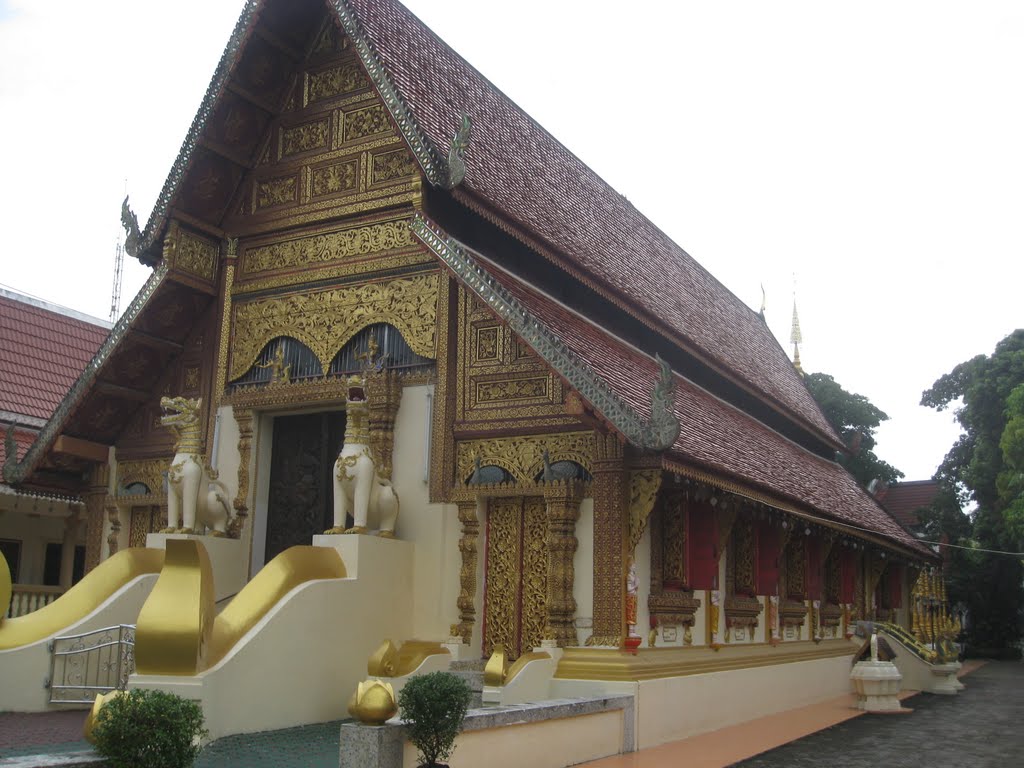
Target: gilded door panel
column 533, row 607
column 516, row 575
column 145, row 520
column 504, row 540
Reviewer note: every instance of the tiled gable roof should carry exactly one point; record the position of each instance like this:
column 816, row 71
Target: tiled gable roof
column 903, row 500
column 714, row 436
column 518, row 172
column 43, row 349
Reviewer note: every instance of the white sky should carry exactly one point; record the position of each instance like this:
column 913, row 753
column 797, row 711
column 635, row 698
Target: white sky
column 873, row 150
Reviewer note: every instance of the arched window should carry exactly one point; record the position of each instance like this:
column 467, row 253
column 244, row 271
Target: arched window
column 392, row 352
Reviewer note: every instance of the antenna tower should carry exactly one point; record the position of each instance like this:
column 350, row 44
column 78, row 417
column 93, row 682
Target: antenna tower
column 115, row 293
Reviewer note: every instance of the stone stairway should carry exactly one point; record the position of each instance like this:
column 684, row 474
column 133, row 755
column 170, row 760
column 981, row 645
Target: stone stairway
column 473, row 673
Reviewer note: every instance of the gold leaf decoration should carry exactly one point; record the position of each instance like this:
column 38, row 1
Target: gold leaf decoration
column 326, row 320
column 334, row 246
column 643, row 489
column 523, row 457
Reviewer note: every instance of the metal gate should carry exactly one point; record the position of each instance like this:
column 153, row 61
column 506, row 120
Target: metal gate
column 82, row 666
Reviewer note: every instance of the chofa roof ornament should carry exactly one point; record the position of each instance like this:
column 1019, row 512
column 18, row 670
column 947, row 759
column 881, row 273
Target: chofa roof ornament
column 663, row 427
column 456, row 162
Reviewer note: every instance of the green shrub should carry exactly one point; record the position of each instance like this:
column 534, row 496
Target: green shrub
column 149, row 729
column 433, row 707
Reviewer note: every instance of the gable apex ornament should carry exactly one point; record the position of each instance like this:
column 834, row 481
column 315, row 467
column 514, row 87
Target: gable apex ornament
column 456, row 160
column 130, row 222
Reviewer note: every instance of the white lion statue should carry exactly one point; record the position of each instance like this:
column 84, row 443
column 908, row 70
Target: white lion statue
column 357, row 486
column 187, row 503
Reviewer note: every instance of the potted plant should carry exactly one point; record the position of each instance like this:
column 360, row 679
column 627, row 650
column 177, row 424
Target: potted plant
column 149, row 729
column 433, row 707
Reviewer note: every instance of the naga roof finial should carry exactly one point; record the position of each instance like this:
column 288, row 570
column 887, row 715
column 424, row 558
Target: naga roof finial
column 130, row 222
column 456, row 161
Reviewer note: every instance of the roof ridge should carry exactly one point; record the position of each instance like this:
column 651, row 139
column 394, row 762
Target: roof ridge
column 57, row 309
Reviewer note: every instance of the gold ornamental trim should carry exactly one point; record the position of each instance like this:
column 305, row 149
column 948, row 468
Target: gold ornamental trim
column 319, row 249
column 652, row 663
column 523, row 457
column 149, row 471
column 643, row 489
column 326, row 320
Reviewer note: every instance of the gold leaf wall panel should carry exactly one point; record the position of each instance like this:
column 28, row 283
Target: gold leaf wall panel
column 333, row 152
column 500, row 380
column 325, row 320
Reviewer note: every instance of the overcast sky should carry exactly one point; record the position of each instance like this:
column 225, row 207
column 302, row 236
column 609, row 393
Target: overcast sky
column 871, row 153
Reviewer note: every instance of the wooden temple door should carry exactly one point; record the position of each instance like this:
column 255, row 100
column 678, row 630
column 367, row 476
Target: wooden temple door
column 515, row 580
column 301, row 469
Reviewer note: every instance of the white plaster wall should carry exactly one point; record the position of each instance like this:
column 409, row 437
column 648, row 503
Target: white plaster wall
column 583, row 567
column 34, row 532
column 259, row 489
column 544, row 744
column 23, row 670
column 303, row 660
column 679, row 707
column 643, row 573
column 434, row 528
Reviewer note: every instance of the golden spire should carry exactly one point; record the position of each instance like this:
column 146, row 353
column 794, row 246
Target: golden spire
column 795, row 337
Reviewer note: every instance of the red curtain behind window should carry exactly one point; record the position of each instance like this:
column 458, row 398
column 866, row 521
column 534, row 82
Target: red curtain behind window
column 814, row 569
column 895, row 586
column 769, row 550
column 701, row 547
column 848, row 570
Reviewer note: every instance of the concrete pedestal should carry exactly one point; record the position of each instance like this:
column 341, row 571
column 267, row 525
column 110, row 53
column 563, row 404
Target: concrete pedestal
column 876, row 684
column 228, row 558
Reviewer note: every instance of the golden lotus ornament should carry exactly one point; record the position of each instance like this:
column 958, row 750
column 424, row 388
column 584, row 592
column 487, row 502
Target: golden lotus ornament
column 373, row 702
column 90, row 721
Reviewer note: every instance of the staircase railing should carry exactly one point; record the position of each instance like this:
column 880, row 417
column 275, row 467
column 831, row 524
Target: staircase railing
column 26, row 598
column 94, row 662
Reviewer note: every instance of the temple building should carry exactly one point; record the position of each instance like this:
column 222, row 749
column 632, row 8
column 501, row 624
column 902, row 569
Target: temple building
column 591, row 445
column 43, row 348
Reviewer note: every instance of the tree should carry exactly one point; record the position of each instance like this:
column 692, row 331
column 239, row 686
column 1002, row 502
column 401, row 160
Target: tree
column 855, row 418
column 1010, row 482
column 982, row 467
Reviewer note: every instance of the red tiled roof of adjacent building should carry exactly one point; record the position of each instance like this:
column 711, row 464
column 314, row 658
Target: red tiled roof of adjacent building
column 518, row 171
column 715, row 436
column 43, row 349
column 903, row 500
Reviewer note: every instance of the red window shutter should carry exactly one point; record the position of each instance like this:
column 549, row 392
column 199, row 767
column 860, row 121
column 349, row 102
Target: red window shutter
column 848, row 567
column 769, row 549
column 895, row 586
column 701, row 547
column 813, row 580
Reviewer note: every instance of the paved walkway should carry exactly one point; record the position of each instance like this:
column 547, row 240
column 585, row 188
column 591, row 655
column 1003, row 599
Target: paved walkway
column 977, row 728
column 980, row 728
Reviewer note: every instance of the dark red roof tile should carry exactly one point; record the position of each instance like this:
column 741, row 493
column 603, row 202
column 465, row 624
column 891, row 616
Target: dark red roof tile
column 903, row 500
column 42, row 352
column 519, row 170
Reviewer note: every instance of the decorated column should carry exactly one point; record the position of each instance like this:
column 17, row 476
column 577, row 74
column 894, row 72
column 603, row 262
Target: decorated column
column 610, row 490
